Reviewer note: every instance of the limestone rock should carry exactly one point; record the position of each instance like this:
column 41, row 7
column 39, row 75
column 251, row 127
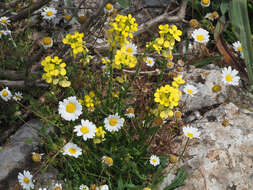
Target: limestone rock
column 204, row 80
column 15, row 156
column 221, row 159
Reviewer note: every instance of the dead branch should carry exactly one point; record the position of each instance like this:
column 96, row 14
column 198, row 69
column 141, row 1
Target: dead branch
column 21, row 83
column 9, row 5
column 9, row 74
column 94, row 17
column 29, row 10
column 165, row 17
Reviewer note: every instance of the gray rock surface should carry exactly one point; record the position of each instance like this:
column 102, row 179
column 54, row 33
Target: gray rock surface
column 221, row 159
column 204, row 80
column 16, row 154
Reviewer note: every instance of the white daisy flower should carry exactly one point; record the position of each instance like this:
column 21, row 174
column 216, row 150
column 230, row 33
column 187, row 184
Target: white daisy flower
column 200, row 35
column 170, row 64
column 47, row 42
column 154, row 160
column 104, row 187
column 108, row 8
column 113, row 122
column 107, row 160
column 4, row 20
column 205, row 3
column 25, row 180
column 4, row 32
column 57, row 186
column 5, row 94
column 48, row 13
column 131, row 49
column 42, row 188
column 70, row 108
column 71, row 149
column 191, row 132
column 237, row 46
column 84, row 187
column 209, row 16
column 229, row 76
column 130, row 112
column 87, row 129
column 180, row 62
column 17, row 96
column 150, row 61
column 190, row 89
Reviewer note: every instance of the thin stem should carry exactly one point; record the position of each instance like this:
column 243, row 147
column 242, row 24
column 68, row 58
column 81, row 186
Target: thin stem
column 13, row 42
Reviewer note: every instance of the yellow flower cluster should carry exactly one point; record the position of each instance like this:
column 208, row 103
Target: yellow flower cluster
column 90, row 100
column 75, row 41
column 123, row 58
column 166, row 41
column 55, row 71
column 168, row 97
column 121, row 30
column 100, row 135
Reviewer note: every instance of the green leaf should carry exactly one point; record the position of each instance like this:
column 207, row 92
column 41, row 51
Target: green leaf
column 207, row 60
column 224, row 7
column 124, row 3
column 28, row 141
column 179, row 179
column 120, row 184
column 240, row 21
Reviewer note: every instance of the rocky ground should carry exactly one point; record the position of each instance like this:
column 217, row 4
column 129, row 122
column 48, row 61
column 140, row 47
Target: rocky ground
column 221, row 159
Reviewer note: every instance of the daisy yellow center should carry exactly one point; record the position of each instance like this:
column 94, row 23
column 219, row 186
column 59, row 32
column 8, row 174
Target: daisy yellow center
column 71, row 108
column 149, row 62
column 67, row 17
column 154, row 160
column 239, row 48
column 205, row 2
column 200, row 37
column 3, row 20
column 113, row 122
column 130, row 110
column 146, row 188
column 108, row 160
column 170, row 63
column 26, row 180
column 190, row 91
column 57, row 188
column 108, row 6
column 49, row 13
column 47, row 40
column 129, row 50
column 72, row 150
column 0, row 32
column 190, row 135
column 84, row 130
column 216, row 88
column 5, row 93
column 229, row 78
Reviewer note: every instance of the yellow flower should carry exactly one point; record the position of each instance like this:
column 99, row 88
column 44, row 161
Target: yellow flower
column 75, row 41
column 121, row 30
column 55, row 71
column 100, row 132
column 107, row 160
column 166, row 41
